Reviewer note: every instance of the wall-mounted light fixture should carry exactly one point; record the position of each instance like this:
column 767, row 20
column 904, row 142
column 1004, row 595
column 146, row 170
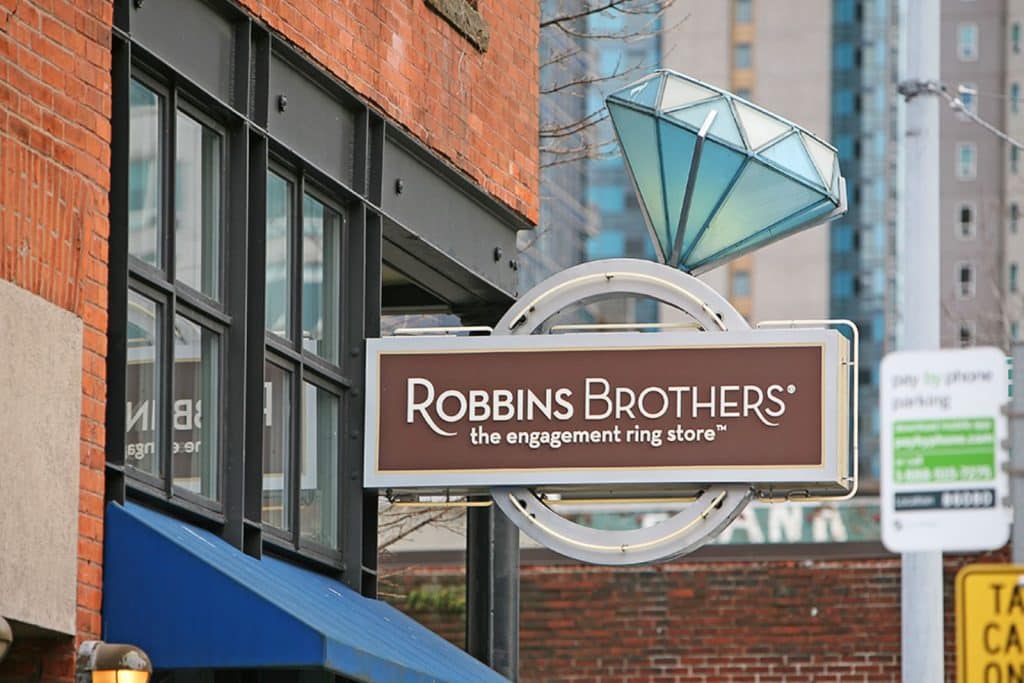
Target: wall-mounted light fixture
column 6, row 638
column 100, row 662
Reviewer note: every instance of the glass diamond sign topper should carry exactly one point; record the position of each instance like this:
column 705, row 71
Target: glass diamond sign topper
column 716, row 175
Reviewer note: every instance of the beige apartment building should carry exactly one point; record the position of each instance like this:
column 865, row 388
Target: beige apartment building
column 982, row 185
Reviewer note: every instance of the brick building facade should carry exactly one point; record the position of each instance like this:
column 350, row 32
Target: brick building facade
column 55, row 164
column 435, row 104
column 798, row 620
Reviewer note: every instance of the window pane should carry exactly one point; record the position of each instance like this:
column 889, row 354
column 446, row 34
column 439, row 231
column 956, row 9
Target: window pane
column 142, row 386
column 279, row 248
column 318, row 502
column 741, row 56
column 321, row 242
column 277, row 397
column 743, row 11
column 144, row 174
column 197, row 206
column 741, row 283
column 966, row 168
column 967, row 42
column 196, row 408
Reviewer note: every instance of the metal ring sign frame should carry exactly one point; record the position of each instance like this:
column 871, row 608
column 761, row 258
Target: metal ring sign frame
column 714, row 508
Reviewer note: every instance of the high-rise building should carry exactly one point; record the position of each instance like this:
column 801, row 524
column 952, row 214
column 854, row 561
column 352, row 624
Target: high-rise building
column 864, row 61
column 1010, row 218
column 559, row 240
column 980, row 175
column 588, row 208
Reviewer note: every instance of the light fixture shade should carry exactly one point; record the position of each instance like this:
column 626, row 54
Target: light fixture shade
column 717, row 176
column 100, row 662
column 6, row 638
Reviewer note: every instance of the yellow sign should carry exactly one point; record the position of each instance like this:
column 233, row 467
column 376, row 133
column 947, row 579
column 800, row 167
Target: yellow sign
column 990, row 623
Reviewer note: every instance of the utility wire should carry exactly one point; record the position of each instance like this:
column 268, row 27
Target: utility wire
column 914, row 88
column 957, row 105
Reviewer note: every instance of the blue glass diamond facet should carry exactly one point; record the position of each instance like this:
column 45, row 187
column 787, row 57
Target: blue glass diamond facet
column 789, row 153
column 724, row 126
column 743, row 184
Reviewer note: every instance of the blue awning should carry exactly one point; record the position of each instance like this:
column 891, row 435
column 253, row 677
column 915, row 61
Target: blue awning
column 192, row 601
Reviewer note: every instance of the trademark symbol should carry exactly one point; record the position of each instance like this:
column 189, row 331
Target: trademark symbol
column 721, row 427
column 791, row 389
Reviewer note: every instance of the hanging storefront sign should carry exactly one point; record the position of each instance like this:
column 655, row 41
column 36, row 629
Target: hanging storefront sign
column 718, row 416
column 598, row 409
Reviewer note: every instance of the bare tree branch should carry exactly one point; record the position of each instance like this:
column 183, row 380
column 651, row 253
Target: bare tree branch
column 634, row 7
column 561, row 57
column 576, row 126
column 555, row 21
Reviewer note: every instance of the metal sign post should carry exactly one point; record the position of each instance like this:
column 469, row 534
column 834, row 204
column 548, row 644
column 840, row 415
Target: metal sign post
column 918, row 272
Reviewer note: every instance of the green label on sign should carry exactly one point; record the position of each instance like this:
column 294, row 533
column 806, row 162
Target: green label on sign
column 929, row 451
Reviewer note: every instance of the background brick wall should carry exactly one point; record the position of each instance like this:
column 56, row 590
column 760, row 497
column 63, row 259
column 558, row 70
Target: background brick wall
column 480, row 111
column 796, row 620
column 54, row 180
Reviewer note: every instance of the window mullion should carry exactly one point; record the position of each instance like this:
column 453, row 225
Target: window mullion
column 296, row 261
column 295, row 464
column 170, row 172
column 166, row 422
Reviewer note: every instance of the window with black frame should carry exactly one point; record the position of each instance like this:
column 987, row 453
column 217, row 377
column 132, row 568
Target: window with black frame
column 176, row 316
column 304, row 382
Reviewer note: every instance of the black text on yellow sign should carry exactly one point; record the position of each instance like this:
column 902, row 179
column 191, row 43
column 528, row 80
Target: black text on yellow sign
column 990, row 623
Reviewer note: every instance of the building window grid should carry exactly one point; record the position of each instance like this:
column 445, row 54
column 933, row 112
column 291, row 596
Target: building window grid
column 312, row 377
column 174, row 436
column 150, row 282
column 1014, row 217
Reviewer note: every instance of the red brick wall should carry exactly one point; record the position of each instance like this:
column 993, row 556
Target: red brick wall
column 795, row 621
column 480, row 111
column 54, row 180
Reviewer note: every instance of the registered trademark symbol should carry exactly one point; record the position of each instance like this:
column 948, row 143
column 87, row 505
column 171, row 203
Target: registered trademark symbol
column 791, row 389
column 722, row 427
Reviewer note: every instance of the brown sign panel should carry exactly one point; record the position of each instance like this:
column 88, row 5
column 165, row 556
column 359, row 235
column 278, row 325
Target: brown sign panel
column 555, row 411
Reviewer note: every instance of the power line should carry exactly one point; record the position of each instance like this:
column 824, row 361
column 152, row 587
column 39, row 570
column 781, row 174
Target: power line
column 912, row 89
